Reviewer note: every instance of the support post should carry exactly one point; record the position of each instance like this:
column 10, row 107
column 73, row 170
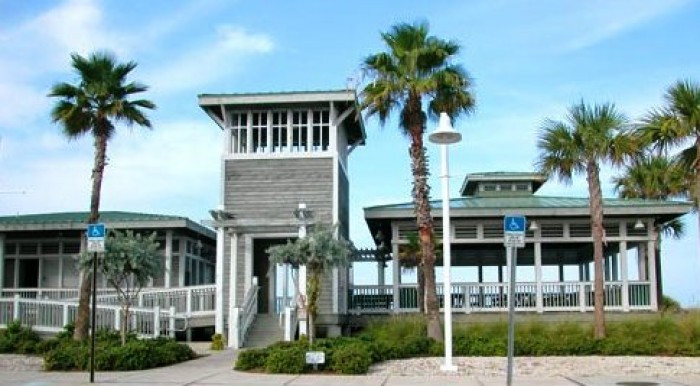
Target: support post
column 156, row 321
column 168, row 257
column 234, row 335
column 380, row 272
column 65, row 314
column 512, row 256
column 171, row 322
column 15, row 308
column 395, row 276
column 219, row 315
column 651, row 267
column 625, row 282
column 539, row 298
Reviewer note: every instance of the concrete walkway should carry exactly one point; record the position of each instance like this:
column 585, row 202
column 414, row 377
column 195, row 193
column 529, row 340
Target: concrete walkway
column 216, row 370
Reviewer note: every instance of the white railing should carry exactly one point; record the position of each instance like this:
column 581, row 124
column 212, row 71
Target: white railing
column 243, row 317
column 49, row 293
column 493, row 297
column 194, row 300
column 290, row 323
column 52, row 315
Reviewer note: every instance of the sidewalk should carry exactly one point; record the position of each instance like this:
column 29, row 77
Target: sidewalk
column 216, row 370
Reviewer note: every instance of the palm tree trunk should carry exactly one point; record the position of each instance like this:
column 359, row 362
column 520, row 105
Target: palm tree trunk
column 81, row 319
column 596, row 207
column 413, row 117
column 421, row 288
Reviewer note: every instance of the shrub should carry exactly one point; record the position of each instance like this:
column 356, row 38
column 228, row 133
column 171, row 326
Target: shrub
column 353, row 358
column 217, row 342
column 110, row 355
column 286, row 360
column 251, row 359
column 669, row 304
column 17, row 339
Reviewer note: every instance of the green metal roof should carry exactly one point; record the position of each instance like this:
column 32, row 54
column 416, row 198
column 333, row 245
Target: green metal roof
column 471, row 181
column 81, row 217
column 533, row 202
column 274, row 93
column 116, row 219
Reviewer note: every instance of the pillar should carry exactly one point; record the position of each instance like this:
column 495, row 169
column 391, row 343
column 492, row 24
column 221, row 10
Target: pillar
column 624, row 278
column 642, row 261
column 380, row 273
column 168, row 257
column 561, row 272
column 219, row 316
column 396, row 275
column 606, row 268
column 614, row 261
column 651, row 267
column 183, row 261
column 538, row 276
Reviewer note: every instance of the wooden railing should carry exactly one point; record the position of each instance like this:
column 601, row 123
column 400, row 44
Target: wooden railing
column 52, row 315
column 243, row 317
column 493, row 297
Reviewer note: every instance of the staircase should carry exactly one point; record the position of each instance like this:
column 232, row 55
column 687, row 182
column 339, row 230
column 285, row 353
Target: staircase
column 265, row 330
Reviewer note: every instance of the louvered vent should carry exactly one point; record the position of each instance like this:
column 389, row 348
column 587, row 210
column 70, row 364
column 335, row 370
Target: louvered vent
column 580, row 230
column 465, row 231
column 552, row 230
column 612, row 229
column 493, row 231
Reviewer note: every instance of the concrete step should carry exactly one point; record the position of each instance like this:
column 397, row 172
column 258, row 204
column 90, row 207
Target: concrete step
column 265, row 330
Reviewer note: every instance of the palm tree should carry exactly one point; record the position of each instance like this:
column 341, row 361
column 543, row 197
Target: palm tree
column 678, row 124
column 589, row 136
column 415, row 67
column 655, row 177
column 94, row 105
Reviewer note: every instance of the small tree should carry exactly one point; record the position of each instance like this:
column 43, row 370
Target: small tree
column 318, row 252
column 129, row 262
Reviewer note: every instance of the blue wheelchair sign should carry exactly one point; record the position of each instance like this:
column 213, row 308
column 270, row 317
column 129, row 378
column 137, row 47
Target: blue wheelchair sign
column 96, row 231
column 514, row 224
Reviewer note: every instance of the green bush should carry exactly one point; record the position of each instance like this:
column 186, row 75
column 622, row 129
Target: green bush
column 353, row 358
column 217, row 342
column 16, row 339
column 251, row 359
column 286, row 360
column 669, row 304
column 110, row 355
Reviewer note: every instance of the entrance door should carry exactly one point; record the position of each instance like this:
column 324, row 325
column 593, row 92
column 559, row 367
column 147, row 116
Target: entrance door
column 28, row 273
column 266, row 273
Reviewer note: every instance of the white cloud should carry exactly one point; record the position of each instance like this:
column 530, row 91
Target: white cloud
column 597, row 23
column 212, row 61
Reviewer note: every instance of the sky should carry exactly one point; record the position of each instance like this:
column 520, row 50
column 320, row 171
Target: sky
column 529, row 60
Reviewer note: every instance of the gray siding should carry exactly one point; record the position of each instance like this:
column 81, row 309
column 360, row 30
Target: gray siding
column 272, row 188
column 343, row 203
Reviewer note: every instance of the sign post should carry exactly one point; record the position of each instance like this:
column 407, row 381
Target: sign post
column 513, row 238
column 95, row 244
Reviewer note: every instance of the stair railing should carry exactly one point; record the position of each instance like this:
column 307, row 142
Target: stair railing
column 243, row 317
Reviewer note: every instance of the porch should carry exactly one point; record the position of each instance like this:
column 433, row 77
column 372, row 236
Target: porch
column 493, row 297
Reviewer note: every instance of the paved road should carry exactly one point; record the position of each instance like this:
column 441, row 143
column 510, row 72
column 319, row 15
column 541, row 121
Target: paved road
column 216, row 370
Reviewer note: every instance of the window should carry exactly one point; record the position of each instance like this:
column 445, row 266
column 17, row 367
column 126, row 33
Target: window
column 259, row 132
column 299, row 131
column 505, row 187
column 279, row 131
column 321, row 121
column 489, row 187
column 522, row 187
column 239, row 132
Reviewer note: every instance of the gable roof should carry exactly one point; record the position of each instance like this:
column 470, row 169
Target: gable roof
column 113, row 219
column 536, row 205
column 472, row 180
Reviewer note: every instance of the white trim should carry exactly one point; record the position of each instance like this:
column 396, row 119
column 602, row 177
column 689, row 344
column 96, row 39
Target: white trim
column 625, row 279
column 219, row 318
column 2, row 261
column 257, row 156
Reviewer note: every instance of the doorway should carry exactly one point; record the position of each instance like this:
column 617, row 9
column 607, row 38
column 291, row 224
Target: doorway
column 28, row 273
column 266, row 274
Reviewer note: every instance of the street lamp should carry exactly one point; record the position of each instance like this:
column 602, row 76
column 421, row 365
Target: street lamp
column 445, row 135
column 303, row 214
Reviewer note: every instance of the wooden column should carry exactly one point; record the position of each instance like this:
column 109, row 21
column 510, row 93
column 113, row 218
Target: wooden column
column 2, row 261
column 623, row 271
column 538, row 275
column 651, row 267
column 396, row 275
column 168, row 257
column 219, row 306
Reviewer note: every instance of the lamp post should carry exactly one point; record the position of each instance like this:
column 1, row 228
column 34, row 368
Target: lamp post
column 445, row 135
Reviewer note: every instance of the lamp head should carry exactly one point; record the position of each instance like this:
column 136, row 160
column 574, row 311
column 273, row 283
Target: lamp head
column 639, row 224
column 445, row 134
